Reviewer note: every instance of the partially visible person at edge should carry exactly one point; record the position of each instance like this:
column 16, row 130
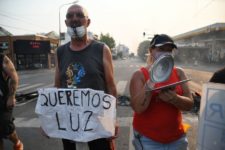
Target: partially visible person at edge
column 218, row 76
column 157, row 121
column 84, row 63
column 8, row 86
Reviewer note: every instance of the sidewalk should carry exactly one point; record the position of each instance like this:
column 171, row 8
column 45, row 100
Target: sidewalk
column 201, row 67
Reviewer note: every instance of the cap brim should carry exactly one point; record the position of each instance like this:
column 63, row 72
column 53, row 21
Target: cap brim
column 161, row 44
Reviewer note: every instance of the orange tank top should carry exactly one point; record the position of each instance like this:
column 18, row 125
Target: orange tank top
column 161, row 121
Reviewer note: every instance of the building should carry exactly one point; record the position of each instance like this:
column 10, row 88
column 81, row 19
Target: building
column 203, row 45
column 4, row 32
column 30, row 51
column 122, row 51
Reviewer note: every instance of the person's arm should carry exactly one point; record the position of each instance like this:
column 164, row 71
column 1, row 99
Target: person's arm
column 110, row 83
column 183, row 102
column 108, row 70
column 10, row 71
column 140, row 99
column 57, row 77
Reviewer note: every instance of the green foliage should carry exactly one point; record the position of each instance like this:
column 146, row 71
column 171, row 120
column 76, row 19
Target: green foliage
column 108, row 40
column 143, row 49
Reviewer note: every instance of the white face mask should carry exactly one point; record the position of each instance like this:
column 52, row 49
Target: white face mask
column 77, row 32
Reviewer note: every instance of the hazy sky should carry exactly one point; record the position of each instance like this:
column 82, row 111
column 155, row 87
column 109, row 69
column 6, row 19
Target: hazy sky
column 124, row 20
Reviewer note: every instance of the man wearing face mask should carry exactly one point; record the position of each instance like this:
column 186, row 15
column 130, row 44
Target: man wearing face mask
column 157, row 119
column 84, row 63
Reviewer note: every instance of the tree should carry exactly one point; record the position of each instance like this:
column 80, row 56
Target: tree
column 143, row 49
column 108, row 40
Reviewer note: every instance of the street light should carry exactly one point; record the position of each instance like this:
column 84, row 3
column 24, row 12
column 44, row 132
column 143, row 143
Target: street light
column 60, row 17
column 149, row 36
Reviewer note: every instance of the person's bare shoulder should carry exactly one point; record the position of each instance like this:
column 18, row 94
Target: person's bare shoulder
column 106, row 50
column 8, row 66
column 107, row 58
column 137, row 75
column 181, row 74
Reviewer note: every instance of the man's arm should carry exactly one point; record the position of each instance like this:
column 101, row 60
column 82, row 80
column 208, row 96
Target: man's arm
column 108, row 69
column 110, row 83
column 10, row 71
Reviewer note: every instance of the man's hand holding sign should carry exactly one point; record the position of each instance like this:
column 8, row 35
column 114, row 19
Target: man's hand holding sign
column 76, row 114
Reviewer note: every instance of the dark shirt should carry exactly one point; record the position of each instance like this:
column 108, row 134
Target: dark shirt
column 82, row 69
column 218, row 76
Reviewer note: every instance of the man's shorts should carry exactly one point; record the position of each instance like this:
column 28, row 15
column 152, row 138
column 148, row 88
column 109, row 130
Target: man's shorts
column 7, row 126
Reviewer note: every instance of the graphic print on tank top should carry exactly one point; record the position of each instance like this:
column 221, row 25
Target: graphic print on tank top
column 74, row 74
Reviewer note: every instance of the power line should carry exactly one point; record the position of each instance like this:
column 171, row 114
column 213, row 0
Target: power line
column 15, row 18
column 17, row 28
column 203, row 8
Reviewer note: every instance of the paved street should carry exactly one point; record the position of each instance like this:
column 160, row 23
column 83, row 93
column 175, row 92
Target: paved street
column 27, row 122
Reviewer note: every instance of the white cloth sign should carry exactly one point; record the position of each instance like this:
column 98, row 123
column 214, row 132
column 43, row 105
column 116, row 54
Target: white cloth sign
column 77, row 114
column 211, row 135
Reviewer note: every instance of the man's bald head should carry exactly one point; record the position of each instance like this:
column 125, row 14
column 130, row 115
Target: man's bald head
column 76, row 6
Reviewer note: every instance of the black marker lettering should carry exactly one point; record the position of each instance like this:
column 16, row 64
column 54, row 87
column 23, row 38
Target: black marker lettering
column 57, row 118
column 106, row 102
column 75, row 98
column 69, row 101
column 98, row 100
column 50, row 102
column 85, row 128
column 78, row 122
column 87, row 94
column 46, row 102
column 60, row 96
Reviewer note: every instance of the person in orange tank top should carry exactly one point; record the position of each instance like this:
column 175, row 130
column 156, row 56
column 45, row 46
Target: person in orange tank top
column 157, row 119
